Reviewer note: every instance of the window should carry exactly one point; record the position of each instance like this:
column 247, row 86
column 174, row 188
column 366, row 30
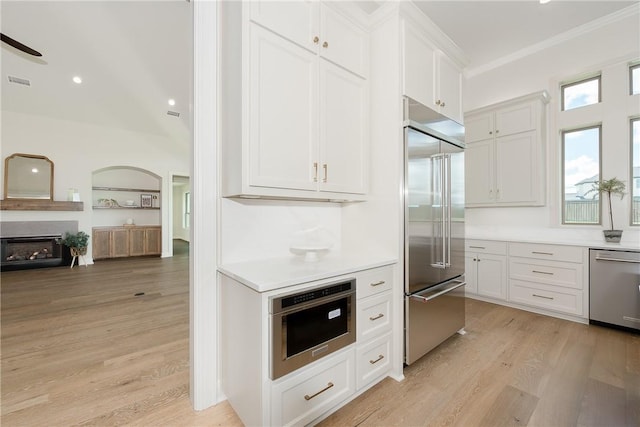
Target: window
column 186, row 221
column 579, row 94
column 634, row 77
column 580, row 170
column 634, row 188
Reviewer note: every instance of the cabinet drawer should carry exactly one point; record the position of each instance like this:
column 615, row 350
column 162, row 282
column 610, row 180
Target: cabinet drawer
column 568, row 275
column 374, row 316
column 301, row 398
column 373, row 360
column 550, row 252
column 548, row 297
column 486, row 246
column 374, row 281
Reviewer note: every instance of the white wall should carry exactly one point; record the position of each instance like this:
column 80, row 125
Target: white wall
column 606, row 49
column 77, row 149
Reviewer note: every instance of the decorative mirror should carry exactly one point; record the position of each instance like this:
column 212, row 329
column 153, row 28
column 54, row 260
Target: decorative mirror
column 28, row 176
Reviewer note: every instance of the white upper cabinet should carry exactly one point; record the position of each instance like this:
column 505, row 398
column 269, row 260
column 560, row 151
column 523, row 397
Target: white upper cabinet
column 430, row 76
column 295, row 102
column 505, row 155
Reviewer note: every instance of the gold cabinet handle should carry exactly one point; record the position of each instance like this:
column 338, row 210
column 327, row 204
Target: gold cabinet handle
column 316, row 39
column 379, row 316
column 541, row 296
column 324, row 168
column 381, row 282
column 438, row 102
column 373, row 362
column 315, row 171
column 442, row 104
column 307, row 397
column 325, row 45
column 542, row 253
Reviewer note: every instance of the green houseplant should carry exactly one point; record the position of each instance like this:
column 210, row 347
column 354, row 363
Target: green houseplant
column 610, row 187
column 77, row 242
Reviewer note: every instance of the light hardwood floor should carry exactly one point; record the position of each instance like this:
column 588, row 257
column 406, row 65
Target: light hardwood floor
column 79, row 348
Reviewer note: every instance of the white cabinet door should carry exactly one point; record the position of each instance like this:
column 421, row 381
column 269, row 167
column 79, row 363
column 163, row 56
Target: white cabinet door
column 479, row 127
column 449, row 84
column 295, row 20
column 492, row 275
column 479, row 179
column 419, row 58
column 343, row 130
column 470, row 273
column 282, row 112
column 342, row 42
column 517, row 172
column 515, row 119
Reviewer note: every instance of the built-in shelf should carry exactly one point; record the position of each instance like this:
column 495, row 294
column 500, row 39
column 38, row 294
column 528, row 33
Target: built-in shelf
column 39, row 205
column 137, row 190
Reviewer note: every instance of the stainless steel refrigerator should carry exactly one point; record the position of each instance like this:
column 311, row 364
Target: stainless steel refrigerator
column 434, row 229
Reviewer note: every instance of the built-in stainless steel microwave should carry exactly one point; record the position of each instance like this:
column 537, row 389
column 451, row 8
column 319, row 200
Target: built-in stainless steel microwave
column 310, row 324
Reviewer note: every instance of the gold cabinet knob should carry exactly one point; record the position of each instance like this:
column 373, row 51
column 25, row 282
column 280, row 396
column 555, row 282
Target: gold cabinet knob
column 316, row 39
column 325, row 44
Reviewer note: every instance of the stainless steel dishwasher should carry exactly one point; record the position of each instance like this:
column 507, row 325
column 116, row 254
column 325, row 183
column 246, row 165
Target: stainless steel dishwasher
column 614, row 288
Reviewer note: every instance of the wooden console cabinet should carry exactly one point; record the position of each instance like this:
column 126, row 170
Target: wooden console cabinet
column 126, row 241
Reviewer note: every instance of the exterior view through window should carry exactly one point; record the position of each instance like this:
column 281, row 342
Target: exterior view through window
column 580, row 170
column 186, row 219
column 634, row 76
column 634, row 188
column 579, row 94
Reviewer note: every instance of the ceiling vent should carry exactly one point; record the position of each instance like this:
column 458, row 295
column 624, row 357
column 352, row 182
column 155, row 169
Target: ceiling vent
column 19, row 81
column 173, row 113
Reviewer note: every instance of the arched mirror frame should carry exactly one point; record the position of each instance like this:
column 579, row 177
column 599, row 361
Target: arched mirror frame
column 8, row 176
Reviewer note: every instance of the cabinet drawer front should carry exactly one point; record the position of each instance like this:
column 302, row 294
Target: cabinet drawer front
column 486, row 246
column 374, row 281
column 548, row 297
column 300, row 399
column 374, row 316
column 549, row 252
column 373, row 360
column 567, row 275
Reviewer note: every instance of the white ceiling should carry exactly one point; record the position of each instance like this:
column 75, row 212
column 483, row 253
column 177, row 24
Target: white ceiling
column 135, row 55
column 132, row 56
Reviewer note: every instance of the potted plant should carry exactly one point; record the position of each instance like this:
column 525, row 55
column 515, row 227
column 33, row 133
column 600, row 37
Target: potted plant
column 77, row 242
column 610, row 187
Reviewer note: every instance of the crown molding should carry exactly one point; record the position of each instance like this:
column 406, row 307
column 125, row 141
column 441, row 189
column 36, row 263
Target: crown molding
column 581, row 30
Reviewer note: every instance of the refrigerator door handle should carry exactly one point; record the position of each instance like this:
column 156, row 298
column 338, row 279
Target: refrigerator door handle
column 447, row 211
column 456, row 285
column 439, row 195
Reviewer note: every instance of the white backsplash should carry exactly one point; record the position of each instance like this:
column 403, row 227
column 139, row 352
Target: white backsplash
column 259, row 229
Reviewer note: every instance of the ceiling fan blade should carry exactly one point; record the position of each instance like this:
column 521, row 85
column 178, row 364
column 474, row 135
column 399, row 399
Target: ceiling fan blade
column 11, row 42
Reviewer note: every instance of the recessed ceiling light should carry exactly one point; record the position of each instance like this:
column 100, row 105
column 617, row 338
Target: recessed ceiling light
column 34, row 170
column 172, row 102
column 77, row 79
column 544, row 1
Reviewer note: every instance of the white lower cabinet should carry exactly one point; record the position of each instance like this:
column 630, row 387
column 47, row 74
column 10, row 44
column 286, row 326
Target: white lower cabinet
column 549, row 277
column 310, row 392
column 486, row 268
column 303, row 396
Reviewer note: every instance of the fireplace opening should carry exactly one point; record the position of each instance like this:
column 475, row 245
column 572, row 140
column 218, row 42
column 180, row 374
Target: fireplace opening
column 32, row 252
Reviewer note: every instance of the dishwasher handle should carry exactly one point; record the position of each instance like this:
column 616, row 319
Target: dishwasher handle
column 422, row 298
column 634, row 261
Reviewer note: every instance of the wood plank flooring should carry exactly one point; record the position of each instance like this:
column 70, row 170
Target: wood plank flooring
column 80, row 348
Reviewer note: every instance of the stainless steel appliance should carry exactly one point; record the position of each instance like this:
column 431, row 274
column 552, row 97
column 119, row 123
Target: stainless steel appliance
column 434, row 229
column 311, row 324
column 614, row 288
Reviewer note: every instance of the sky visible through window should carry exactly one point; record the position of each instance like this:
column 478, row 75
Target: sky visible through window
column 581, row 157
column 581, row 94
column 635, row 80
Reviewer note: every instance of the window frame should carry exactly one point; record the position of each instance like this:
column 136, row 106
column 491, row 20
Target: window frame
column 563, row 133
column 632, row 184
column 186, row 217
column 635, row 66
column 597, row 77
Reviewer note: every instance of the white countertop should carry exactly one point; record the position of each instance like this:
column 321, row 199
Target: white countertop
column 556, row 236
column 275, row 273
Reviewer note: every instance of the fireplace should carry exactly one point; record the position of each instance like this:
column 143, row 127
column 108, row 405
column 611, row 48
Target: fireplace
column 31, row 252
column 34, row 244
